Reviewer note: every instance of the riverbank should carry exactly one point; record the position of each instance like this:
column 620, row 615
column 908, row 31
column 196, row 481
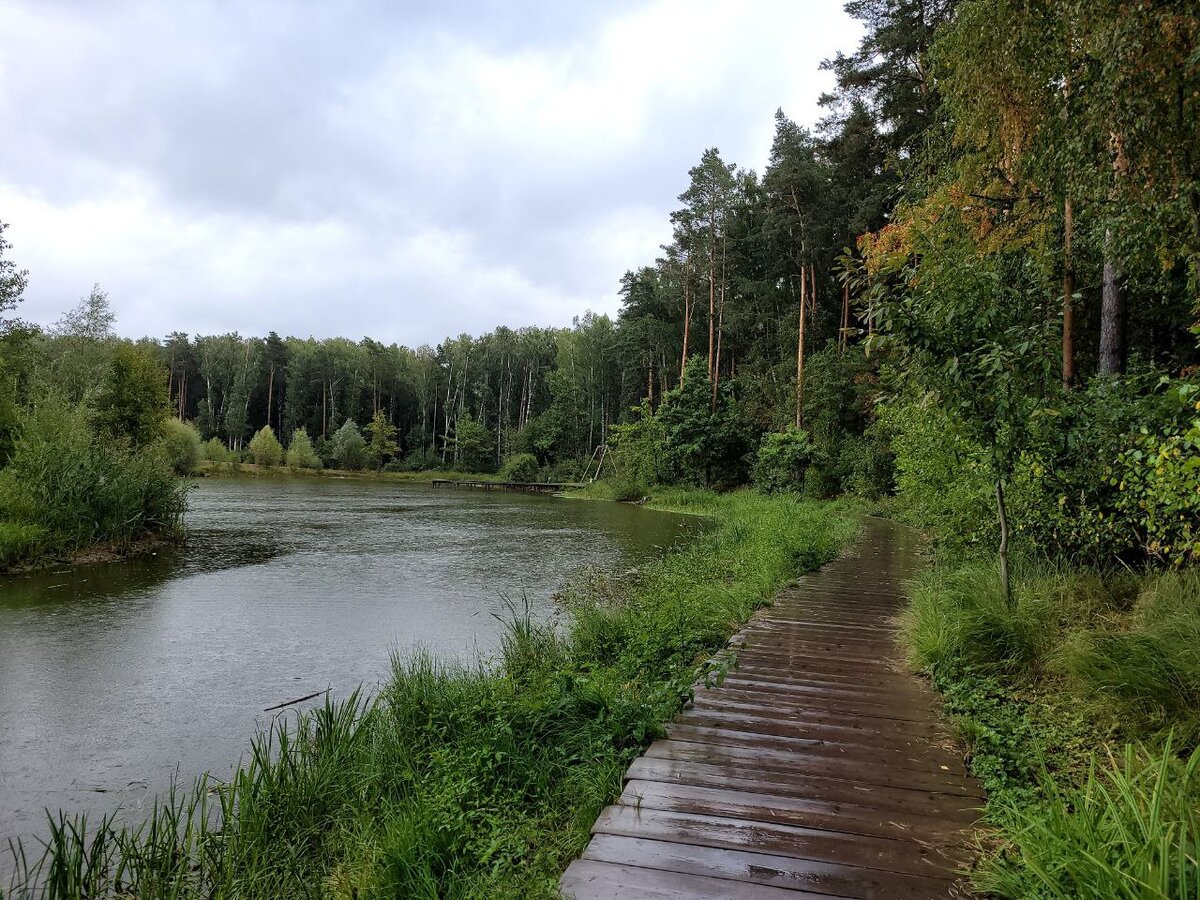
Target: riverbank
column 208, row 469
column 475, row 781
column 1080, row 708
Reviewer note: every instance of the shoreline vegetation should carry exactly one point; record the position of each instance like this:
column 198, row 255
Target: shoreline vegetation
column 462, row 781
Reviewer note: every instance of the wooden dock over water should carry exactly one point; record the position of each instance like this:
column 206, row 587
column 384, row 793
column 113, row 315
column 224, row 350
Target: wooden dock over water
column 528, row 487
column 818, row 768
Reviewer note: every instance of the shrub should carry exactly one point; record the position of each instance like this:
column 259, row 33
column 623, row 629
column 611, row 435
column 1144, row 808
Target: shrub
column 80, row 488
column 264, row 448
column 300, row 454
column 215, row 451
column 783, row 459
column 637, row 451
column 348, row 447
column 520, row 467
column 474, row 448
column 182, row 443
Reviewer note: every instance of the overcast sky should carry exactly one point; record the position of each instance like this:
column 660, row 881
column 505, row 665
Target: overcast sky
column 405, row 170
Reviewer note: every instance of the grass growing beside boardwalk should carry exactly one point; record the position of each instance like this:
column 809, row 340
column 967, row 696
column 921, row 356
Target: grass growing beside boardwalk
column 1080, row 706
column 465, row 782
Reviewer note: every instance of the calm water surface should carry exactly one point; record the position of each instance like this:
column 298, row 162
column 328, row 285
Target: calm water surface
column 115, row 677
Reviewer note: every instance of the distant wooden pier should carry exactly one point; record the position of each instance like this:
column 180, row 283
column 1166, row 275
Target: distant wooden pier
column 818, row 768
column 528, row 487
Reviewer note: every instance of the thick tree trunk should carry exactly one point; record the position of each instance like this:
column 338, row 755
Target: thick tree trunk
column 1068, row 308
column 716, row 369
column 1002, row 512
column 270, row 391
column 1112, row 314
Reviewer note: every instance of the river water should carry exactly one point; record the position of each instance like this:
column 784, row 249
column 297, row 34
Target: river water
column 113, row 678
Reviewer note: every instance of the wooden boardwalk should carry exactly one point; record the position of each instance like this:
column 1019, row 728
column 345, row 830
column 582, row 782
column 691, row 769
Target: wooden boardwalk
column 818, row 768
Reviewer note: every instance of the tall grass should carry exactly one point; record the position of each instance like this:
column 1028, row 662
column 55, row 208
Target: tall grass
column 1044, row 693
column 476, row 781
column 1131, row 831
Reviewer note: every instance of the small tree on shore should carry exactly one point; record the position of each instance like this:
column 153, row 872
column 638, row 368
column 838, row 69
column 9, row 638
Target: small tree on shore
column 300, row 454
column 383, row 445
column 264, row 448
column 349, row 448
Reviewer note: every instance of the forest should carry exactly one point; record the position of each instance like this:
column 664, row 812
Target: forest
column 969, row 297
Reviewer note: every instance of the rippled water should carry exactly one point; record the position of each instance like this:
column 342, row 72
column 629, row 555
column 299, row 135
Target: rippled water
column 115, row 677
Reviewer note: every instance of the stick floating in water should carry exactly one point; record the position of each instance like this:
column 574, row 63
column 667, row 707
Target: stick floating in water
column 297, row 700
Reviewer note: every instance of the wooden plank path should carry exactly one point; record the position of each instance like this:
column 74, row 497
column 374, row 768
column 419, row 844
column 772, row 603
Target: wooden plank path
column 818, row 768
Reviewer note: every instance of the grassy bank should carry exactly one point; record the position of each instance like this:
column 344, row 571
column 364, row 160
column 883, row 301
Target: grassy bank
column 1080, row 707
column 453, row 782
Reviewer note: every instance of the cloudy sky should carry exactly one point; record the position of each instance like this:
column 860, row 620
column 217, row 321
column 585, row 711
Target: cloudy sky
column 406, row 170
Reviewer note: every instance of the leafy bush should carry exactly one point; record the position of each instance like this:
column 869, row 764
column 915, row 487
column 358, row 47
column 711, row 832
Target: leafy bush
column 520, row 467
column 474, row 446
column 638, row 451
column 300, row 454
column 348, row 447
column 705, row 446
column 79, row 488
column 182, row 443
column 215, row 451
column 264, row 448
column 783, row 459
column 1158, row 481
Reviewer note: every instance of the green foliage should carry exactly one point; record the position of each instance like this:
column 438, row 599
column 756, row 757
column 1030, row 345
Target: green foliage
column 706, row 446
column 1158, row 481
column 74, row 489
column 783, row 459
column 181, row 441
column 215, row 451
column 638, row 450
column 520, row 467
column 19, row 542
column 348, row 449
column 474, row 446
column 382, row 445
column 300, row 453
column 132, row 401
column 264, row 448
column 480, row 781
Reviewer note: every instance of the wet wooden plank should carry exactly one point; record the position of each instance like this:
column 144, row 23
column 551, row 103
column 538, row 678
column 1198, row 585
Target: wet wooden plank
column 905, row 857
column 589, row 879
column 838, row 815
column 783, row 761
column 816, row 766
column 955, row 809
column 805, row 877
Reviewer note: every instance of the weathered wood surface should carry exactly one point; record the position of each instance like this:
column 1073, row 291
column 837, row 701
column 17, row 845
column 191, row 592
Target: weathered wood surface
column 819, row 767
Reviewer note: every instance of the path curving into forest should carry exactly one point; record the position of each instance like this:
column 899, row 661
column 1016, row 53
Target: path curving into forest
column 819, row 767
